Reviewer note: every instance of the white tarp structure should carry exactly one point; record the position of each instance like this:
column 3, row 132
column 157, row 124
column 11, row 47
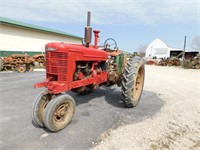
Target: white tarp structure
column 159, row 49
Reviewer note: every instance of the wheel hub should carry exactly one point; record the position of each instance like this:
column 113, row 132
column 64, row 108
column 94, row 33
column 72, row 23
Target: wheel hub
column 61, row 112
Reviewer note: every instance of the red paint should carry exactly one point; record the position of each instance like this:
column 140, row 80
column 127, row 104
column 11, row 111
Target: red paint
column 96, row 38
column 61, row 66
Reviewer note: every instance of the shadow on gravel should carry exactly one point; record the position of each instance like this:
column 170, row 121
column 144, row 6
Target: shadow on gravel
column 99, row 93
column 149, row 105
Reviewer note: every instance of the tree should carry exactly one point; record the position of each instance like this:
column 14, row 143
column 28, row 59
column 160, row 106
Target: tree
column 142, row 50
column 196, row 43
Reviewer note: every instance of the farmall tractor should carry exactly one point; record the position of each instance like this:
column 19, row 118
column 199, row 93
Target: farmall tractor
column 81, row 68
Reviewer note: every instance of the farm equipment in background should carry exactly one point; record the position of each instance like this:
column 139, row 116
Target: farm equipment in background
column 169, row 62
column 18, row 62
column 1, row 63
column 151, row 61
column 187, row 63
column 39, row 60
column 81, row 68
column 22, row 62
column 193, row 63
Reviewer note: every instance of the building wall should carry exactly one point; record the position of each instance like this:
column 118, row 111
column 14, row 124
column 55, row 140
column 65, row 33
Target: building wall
column 158, row 49
column 26, row 40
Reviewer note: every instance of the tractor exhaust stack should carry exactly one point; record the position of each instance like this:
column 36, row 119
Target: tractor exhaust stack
column 88, row 31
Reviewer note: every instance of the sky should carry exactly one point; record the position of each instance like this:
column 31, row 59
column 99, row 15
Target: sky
column 132, row 23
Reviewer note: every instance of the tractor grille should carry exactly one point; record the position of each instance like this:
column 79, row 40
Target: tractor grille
column 56, row 64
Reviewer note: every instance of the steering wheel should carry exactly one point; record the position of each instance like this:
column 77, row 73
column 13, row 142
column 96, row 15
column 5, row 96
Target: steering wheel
column 110, row 44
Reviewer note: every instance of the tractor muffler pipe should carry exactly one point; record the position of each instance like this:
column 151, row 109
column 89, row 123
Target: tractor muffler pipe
column 88, row 18
column 88, row 31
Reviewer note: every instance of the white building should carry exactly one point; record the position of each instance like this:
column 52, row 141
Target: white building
column 18, row 37
column 159, row 49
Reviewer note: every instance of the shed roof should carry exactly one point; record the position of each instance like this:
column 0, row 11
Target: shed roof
column 34, row 27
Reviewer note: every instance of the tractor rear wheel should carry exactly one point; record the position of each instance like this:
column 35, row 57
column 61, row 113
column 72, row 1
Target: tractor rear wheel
column 59, row 112
column 39, row 106
column 133, row 81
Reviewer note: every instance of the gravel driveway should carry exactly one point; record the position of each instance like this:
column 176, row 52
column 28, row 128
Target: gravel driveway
column 167, row 117
column 176, row 126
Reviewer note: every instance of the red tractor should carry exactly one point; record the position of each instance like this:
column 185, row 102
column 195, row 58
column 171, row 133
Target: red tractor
column 81, row 68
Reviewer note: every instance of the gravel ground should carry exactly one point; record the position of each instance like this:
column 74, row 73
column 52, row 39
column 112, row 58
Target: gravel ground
column 176, row 126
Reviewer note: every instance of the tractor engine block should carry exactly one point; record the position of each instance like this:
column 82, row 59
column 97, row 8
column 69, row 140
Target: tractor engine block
column 84, row 70
column 113, row 74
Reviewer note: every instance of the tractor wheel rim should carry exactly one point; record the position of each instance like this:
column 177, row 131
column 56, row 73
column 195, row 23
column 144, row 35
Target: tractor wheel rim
column 21, row 69
column 62, row 113
column 138, row 83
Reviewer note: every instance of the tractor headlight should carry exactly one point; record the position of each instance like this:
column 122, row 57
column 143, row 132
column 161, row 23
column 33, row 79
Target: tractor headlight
column 50, row 48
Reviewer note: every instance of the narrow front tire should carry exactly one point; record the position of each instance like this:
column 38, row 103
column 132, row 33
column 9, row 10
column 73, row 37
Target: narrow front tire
column 39, row 106
column 59, row 112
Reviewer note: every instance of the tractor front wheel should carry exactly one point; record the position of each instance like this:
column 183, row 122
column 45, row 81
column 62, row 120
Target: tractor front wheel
column 39, row 106
column 133, row 81
column 59, row 112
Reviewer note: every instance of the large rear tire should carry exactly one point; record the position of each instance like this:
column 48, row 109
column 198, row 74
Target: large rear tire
column 59, row 112
column 39, row 106
column 133, row 81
